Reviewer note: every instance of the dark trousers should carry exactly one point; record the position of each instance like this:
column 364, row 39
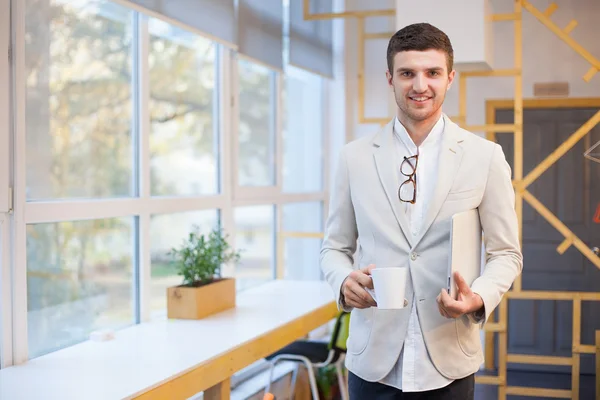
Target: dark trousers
column 359, row 389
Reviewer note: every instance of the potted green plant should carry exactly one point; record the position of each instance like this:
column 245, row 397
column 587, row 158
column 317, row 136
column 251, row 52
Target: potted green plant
column 204, row 291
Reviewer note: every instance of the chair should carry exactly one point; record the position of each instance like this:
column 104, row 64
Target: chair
column 316, row 354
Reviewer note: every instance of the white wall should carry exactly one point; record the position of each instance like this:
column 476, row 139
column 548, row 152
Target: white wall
column 546, row 58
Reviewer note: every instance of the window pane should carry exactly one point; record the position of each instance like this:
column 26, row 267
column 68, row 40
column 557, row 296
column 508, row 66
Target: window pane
column 254, row 238
column 168, row 231
column 256, row 164
column 79, row 99
column 183, row 143
column 79, row 279
column 301, row 257
column 303, row 133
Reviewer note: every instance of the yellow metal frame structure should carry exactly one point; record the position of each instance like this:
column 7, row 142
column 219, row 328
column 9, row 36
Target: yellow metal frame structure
column 520, row 184
column 280, row 244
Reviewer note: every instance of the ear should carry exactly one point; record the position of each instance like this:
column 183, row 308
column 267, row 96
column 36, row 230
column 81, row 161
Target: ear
column 451, row 76
column 389, row 78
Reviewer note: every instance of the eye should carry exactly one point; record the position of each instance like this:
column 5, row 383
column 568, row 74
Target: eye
column 434, row 73
column 406, row 74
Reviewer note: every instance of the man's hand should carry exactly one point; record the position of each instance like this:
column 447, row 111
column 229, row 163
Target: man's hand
column 353, row 288
column 466, row 303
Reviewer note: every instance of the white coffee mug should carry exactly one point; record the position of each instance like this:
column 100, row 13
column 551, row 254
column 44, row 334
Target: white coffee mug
column 390, row 287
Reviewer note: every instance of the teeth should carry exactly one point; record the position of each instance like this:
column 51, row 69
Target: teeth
column 420, row 98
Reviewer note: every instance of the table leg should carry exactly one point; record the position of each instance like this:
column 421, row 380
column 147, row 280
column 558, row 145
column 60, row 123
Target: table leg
column 221, row 391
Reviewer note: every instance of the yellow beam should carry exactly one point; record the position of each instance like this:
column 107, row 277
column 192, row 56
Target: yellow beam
column 590, row 74
column 539, row 360
column 503, row 17
column 489, row 380
column 597, row 362
column 518, row 121
column 493, row 72
column 348, row 14
column 552, row 295
column 584, row 348
column 543, row 18
column 382, row 35
column 492, row 128
column 569, row 28
column 561, row 227
column 301, row 235
column 538, row 392
column 494, row 327
column 576, row 337
column 561, row 150
column 550, row 10
column 564, row 245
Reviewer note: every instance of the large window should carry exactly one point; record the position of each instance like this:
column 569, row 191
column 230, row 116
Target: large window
column 257, row 125
column 134, row 132
column 183, row 111
column 79, row 279
column 79, row 100
column 303, row 132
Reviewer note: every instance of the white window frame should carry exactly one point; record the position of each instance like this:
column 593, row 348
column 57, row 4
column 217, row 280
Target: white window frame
column 14, row 339
column 5, row 194
column 258, row 193
column 4, row 106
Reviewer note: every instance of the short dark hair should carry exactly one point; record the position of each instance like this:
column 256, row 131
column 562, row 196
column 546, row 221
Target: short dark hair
column 420, row 37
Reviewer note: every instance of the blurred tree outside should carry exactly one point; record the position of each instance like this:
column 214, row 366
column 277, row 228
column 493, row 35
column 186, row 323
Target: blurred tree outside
column 81, row 86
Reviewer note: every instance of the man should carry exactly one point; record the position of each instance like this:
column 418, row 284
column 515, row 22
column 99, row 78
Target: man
column 395, row 193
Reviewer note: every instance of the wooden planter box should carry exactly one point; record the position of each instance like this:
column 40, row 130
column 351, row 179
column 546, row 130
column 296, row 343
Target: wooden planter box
column 198, row 302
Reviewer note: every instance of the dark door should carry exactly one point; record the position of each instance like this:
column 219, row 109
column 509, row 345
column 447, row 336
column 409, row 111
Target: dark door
column 570, row 189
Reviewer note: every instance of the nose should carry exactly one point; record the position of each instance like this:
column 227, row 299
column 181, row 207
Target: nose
column 419, row 83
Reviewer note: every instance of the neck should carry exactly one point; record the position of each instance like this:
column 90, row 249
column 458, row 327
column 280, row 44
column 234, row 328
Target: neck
column 419, row 130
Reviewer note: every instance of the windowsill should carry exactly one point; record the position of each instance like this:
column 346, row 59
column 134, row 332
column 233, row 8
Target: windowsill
column 142, row 358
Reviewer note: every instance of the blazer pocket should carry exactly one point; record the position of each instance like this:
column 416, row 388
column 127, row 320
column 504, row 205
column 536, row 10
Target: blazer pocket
column 361, row 323
column 462, row 194
column 468, row 336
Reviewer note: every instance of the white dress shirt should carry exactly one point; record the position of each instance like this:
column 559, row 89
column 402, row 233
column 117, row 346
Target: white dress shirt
column 414, row 371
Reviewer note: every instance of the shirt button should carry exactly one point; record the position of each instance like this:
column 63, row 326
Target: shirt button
column 413, row 256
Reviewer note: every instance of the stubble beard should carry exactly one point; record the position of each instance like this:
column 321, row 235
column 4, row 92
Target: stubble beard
column 417, row 115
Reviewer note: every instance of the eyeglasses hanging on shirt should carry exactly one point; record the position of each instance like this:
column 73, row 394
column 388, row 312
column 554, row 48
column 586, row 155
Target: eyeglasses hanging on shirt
column 408, row 189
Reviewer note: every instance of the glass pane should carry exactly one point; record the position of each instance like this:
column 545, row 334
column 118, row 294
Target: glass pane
column 168, row 231
column 256, row 164
column 78, row 66
column 303, row 133
column 254, row 238
column 301, row 256
column 79, row 279
column 183, row 142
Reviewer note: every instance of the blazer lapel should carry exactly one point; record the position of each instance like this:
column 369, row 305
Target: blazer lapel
column 387, row 169
column 451, row 152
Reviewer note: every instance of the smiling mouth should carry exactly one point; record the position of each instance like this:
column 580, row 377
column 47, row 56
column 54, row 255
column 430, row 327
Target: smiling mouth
column 420, row 99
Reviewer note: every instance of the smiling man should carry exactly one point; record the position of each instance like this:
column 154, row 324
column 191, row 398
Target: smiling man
column 394, row 195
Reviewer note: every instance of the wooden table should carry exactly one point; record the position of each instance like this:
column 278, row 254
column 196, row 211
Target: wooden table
column 175, row 359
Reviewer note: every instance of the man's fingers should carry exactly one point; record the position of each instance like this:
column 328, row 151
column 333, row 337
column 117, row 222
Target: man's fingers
column 367, row 270
column 461, row 284
column 362, row 278
column 354, row 290
column 358, row 300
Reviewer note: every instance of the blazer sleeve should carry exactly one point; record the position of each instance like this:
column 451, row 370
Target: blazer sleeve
column 339, row 243
column 504, row 260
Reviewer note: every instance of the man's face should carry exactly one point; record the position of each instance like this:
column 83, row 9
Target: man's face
column 419, row 82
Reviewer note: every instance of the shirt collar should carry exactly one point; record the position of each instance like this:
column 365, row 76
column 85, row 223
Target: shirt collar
column 431, row 139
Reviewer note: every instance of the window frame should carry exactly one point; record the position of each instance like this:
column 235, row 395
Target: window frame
column 13, row 261
column 5, row 56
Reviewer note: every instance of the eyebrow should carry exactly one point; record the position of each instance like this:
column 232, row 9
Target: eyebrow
column 437, row 69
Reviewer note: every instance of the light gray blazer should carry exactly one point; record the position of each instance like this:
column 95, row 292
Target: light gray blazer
column 364, row 207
